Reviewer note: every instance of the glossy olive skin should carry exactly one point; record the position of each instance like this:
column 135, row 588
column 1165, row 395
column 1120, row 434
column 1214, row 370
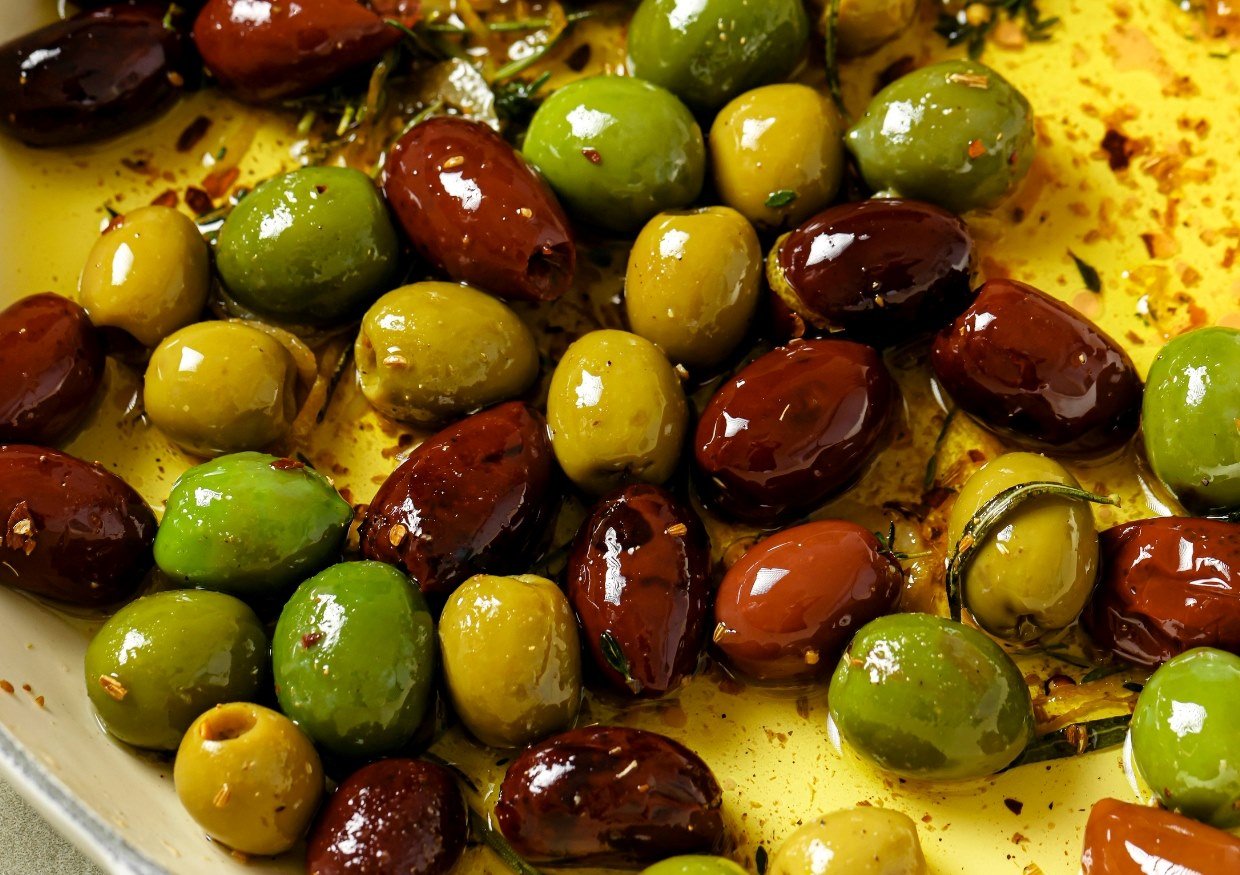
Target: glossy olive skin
column 478, row 494
column 727, row 47
column 575, row 798
column 263, row 50
column 249, row 777
column 641, row 154
column 394, row 816
column 354, row 658
column 639, row 572
column 856, row 841
column 52, row 361
column 963, row 707
column 313, row 246
column 1184, row 739
column 694, row 864
column 1037, row 372
column 475, row 210
column 792, row 429
column 864, row 25
column 955, row 133
column 882, row 271
column 1126, row 839
column 162, row 660
column 1188, row 419
column 91, row 76
column 72, row 531
column 788, row 607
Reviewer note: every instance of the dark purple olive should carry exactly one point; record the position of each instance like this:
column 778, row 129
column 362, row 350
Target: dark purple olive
column 1038, row 372
column 72, row 531
column 638, row 578
column 610, row 796
column 793, row 429
column 92, row 76
column 393, row 817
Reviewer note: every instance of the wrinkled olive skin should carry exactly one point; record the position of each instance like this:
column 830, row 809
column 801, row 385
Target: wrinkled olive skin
column 162, row 660
column 475, row 210
column 431, row 351
column 249, row 777
column 148, row 275
column 694, row 864
column 1038, row 372
column 882, row 271
column 777, row 154
column 265, row 50
column 92, row 76
column 692, row 284
column 575, row 797
column 332, row 250
column 964, row 711
column 511, row 658
column 864, row 25
column 792, row 429
column 1189, row 419
column 72, row 531
column 955, row 133
column 219, row 531
column 477, row 495
column 639, row 572
column 52, row 361
column 354, row 658
column 617, row 412
column 717, row 50
column 788, row 607
column 397, row 816
column 1126, row 839
column 1184, row 739
column 221, row 387
column 856, row 841
column 642, row 154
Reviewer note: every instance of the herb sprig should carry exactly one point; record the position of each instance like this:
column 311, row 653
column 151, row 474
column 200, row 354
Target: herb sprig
column 969, row 28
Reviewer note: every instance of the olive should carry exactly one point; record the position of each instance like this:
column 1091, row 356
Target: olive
column 221, row 387
column 778, row 154
column 694, row 864
column 793, row 428
column 219, row 532
column 616, row 411
column 1189, row 419
column 1122, row 838
column 393, row 816
column 711, row 50
column 639, row 579
column 162, row 660
column 249, row 778
column 609, row 795
column 478, row 495
column 1037, row 372
column 1184, row 739
column 313, row 246
column 882, row 271
column 786, row 609
column 617, row 150
column 692, row 284
column 955, row 133
column 511, row 658
column 432, row 351
column 856, row 841
column 864, row 25
column 477, row 211
column 72, row 530
column 148, row 275
column 52, row 361
column 925, row 697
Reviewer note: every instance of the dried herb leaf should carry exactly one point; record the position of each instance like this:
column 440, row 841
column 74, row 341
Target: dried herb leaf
column 1089, row 274
column 614, row 656
column 781, row 198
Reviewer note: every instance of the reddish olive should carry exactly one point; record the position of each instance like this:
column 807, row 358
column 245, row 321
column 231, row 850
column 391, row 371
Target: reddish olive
column 792, row 429
column 610, row 796
column 1126, row 839
column 1038, row 372
column 475, row 210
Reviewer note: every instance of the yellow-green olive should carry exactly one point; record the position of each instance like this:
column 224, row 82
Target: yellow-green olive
column 692, row 283
column 856, row 841
column 864, row 25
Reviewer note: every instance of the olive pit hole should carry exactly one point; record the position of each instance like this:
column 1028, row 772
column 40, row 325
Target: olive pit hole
column 227, row 724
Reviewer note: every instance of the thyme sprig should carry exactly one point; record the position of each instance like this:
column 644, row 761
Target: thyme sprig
column 970, row 29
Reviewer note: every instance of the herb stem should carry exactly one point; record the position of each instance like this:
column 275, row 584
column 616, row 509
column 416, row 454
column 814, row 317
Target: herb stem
column 832, row 57
column 497, row 843
column 1074, row 740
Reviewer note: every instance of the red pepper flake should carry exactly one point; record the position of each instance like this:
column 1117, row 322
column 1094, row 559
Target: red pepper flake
column 20, row 532
column 167, row 199
column 287, row 465
column 193, row 133
column 39, row 700
column 592, row 155
column 6, row 687
column 310, row 639
column 1014, row 805
column 217, row 183
column 198, row 200
column 28, row 688
column 977, row 149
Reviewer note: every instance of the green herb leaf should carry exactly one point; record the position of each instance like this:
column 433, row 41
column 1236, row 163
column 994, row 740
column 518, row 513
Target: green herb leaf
column 1089, row 275
column 832, row 56
column 932, row 466
column 1099, row 672
column 957, row 29
column 1133, row 687
column 781, row 198
column 614, row 656
column 496, row 842
column 516, row 100
column 1074, row 740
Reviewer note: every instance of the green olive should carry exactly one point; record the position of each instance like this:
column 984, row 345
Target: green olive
column 694, row 864
column 1036, row 572
column 693, row 282
column 856, row 841
column 148, row 276
column 616, row 411
column 778, row 154
column 864, row 25
column 432, row 351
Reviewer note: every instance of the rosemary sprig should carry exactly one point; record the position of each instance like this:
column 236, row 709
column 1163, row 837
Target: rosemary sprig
column 614, row 656
column 972, row 31
column 832, row 56
column 1074, row 740
column 497, row 843
column 516, row 99
column 932, row 465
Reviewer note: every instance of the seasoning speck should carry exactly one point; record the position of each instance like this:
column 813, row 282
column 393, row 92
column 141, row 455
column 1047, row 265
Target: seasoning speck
column 1014, row 805
column 113, row 687
column 6, row 687
column 592, row 155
